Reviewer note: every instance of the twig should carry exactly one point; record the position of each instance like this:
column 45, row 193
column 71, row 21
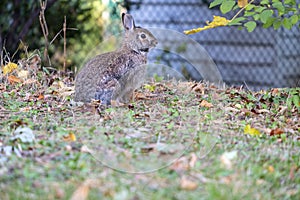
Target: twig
column 241, row 10
column 57, row 34
column 65, row 44
column 44, row 27
column 1, row 51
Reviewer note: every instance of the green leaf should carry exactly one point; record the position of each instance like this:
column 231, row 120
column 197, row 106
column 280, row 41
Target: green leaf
column 286, row 23
column 249, row 7
column 264, row 2
column 279, row 6
column 256, row 17
column 215, row 3
column 265, row 15
column 250, row 26
column 227, row 6
column 276, row 24
column 236, row 21
column 247, row 13
column 259, row 9
column 291, row 2
column 235, row 7
column 269, row 22
column 294, row 19
column 296, row 101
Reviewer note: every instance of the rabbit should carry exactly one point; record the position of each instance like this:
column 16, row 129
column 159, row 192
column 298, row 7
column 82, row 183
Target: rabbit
column 115, row 75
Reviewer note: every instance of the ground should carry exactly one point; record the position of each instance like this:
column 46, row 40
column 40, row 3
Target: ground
column 175, row 140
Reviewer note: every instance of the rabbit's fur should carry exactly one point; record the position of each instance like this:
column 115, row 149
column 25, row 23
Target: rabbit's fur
column 115, row 75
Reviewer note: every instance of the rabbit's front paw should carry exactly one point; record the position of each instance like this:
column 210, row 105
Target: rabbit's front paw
column 104, row 95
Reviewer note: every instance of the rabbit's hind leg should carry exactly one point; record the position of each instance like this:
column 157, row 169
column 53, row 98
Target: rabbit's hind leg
column 105, row 91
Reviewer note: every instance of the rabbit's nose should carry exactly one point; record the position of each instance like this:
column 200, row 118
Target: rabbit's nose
column 154, row 42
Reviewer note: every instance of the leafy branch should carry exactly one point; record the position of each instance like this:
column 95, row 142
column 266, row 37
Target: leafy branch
column 269, row 13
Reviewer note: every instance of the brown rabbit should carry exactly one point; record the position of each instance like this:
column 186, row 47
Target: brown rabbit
column 115, row 75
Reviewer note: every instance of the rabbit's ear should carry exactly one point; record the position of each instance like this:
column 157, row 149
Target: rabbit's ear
column 128, row 21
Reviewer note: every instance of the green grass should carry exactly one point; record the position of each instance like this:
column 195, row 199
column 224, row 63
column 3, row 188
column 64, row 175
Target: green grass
column 116, row 153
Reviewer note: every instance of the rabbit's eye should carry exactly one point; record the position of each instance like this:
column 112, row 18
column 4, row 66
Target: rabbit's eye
column 143, row 36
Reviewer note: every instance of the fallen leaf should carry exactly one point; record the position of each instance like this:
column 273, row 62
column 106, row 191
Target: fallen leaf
column 271, row 169
column 239, row 106
column 82, row 192
column 206, row 104
column 85, row 149
column 70, row 137
column 12, row 79
column 276, row 131
column 260, row 181
column 274, row 91
column 199, row 88
column 59, row 193
column 227, row 158
column 41, row 97
column 180, row 165
column 140, row 96
column 30, row 81
column 193, row 160
column 292, row 172
column 260, row 111
column 25, row 109
column 251, row 131
column 187, row 184
column 10, row 67
column 23, row 74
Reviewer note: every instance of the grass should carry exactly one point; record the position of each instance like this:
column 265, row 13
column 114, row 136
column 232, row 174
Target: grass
column 167, row 144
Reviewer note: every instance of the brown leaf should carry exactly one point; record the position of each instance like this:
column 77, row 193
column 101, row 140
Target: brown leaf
column 12, row 79
column 81, row 192
column 30, row 81
column 40, row 97
column 292, row 172
column 206, row 104
column 187, row 184
column 274, row 91
column 276, row 131
column 193, row 160
column 59, row 193
column 242, row 3
column 180, row 165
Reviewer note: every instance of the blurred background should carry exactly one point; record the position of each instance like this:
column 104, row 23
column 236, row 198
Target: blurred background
column 259, row 60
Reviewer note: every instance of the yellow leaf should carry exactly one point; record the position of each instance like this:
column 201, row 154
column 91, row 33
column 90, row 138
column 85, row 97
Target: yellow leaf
column 242, row 3
column 217, row 21
column 251, row 131
column 9, row 68
column 70, row 138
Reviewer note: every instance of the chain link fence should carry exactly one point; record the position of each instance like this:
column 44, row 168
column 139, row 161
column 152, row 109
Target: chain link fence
column 259, row 60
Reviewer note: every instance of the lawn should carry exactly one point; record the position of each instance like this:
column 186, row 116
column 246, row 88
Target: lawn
column 175, row 140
